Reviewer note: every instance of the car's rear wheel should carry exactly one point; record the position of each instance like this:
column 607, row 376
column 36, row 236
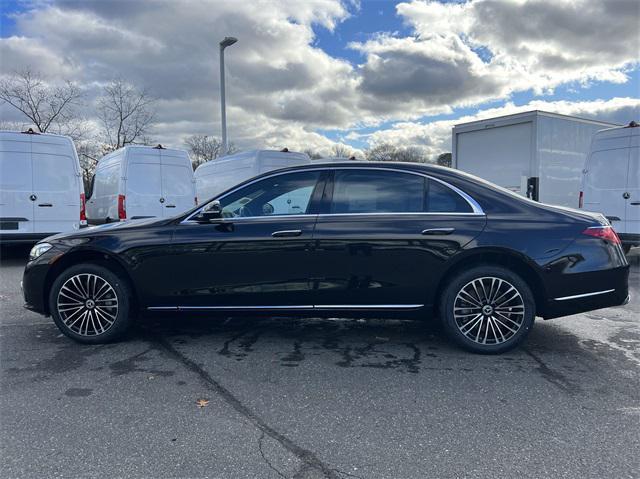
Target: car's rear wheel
column 487, row 309
column 89, row 303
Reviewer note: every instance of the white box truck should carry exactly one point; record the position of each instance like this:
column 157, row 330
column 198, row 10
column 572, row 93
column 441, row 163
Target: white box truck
column 536, row 154
column 216, row 176
column 138, row 182
column 41, row 190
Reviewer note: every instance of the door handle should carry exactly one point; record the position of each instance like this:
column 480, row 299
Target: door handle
column 170, row 206
column 45, row 205
column 635, row 203
column 438, row 231
column 286, row 233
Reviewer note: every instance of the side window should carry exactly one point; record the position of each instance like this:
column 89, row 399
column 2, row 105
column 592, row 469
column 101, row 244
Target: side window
column 442, row 199
column 288, row 194
column 377, row 191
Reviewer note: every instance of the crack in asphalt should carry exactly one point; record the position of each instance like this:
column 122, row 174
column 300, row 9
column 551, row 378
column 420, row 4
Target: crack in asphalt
column 307, row 457
column 264, row 457
column 554, row 377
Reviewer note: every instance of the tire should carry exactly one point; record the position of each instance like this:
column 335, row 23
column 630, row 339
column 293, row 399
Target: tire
column 90, row 304
column 504, row 312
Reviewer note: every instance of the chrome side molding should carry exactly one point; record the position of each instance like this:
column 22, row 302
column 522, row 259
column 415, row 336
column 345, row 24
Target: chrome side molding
column 306, row 307
column 585, row 295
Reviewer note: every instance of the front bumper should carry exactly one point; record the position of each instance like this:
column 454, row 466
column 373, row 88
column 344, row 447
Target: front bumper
column 34, row 281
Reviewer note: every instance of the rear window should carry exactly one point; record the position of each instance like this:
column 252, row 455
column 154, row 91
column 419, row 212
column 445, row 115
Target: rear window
column 53, row 173
column 15, row 171
column 368, row 191
column 144, row 178
column 177, row 180
column 608, row 169
column 442, row 199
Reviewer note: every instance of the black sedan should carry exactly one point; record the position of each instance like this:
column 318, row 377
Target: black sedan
column 372, row 239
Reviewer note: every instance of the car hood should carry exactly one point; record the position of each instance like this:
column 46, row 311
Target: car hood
column 120, row 226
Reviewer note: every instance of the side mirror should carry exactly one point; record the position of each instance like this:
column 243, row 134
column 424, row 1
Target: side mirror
column 211, row 212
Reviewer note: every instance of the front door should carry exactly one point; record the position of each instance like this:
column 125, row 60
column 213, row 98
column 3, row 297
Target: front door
column 257, row 257
column 383, row 238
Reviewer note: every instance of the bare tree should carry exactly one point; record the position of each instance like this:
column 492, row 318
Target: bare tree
column 444, row 159
column 48, row 107
column 126, row 113
column 341, row 151
column 389, row 152
column 381, row 152
column 314, row 155
column 203, row 148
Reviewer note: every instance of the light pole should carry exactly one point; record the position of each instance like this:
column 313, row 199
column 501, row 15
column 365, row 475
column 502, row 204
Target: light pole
column 227, row 42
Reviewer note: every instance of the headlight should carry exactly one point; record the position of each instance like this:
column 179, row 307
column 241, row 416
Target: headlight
column 38, row 250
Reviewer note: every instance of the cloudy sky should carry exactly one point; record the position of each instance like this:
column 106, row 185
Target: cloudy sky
column 311, row 73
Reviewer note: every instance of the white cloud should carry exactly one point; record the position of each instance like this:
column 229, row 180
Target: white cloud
column 282, row 89
column 435, row 137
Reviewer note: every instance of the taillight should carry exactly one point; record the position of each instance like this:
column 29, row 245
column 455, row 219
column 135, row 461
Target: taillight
column 83, row 210
column 581, row 199
column 606, row 233
column 122, row 208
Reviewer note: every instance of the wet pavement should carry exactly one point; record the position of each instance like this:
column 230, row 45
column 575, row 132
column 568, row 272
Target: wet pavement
column 311, row 398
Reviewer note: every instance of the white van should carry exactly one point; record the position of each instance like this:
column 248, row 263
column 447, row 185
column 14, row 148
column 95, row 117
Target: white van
column 41, row 190
column 216, row 176
column 611, row 180
column 141, row 182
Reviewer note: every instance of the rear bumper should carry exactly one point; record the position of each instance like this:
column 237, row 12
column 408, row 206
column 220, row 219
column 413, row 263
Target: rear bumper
column 629, row 239
column 595, row 290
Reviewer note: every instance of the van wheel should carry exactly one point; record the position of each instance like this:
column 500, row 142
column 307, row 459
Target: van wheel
column 487, row 310
column 90, row 304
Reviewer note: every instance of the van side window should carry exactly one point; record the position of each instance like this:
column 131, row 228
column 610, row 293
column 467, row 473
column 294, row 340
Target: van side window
column 92, row 185
column 608, row 169
column 377, row 191
column 442, row 199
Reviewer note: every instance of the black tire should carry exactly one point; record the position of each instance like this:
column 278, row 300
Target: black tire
column 111, row 306
column 499, row 323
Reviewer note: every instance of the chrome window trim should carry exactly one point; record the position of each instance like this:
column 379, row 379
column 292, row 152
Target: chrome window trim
column 321, row 307
column 477, row 209
column 584, row 295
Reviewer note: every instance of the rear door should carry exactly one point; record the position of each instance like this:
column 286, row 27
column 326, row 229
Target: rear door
column 16, row 185
column 633, row 189
column 56, row 185
column 178, row 188
column 143, row 181
column 385, row 238
column 606, row 184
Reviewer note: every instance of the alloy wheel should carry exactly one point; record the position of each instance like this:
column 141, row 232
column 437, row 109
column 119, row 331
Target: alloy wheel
column 87, row 304
column 489, row 310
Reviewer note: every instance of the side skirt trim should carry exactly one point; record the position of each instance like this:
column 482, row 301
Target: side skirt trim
column 321, row 307
column 576, row 296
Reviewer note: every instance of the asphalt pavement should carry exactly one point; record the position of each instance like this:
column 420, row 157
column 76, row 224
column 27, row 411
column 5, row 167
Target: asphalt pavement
column 317, row 398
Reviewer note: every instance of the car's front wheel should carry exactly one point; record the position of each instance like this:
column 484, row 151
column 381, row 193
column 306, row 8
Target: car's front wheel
column 89, row 303
column 487, row 309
